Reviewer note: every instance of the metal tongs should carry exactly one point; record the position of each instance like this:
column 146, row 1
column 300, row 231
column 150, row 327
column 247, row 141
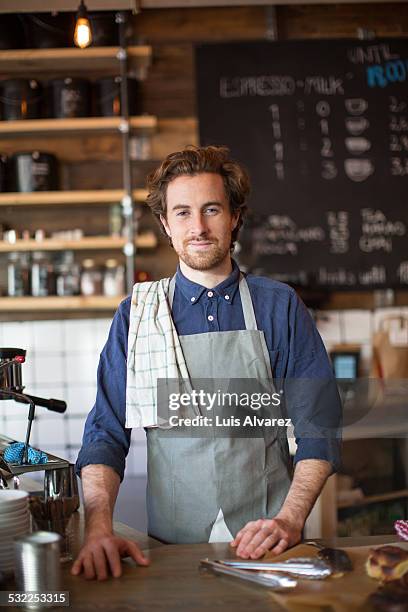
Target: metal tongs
column 301, row 567
column 275, row 582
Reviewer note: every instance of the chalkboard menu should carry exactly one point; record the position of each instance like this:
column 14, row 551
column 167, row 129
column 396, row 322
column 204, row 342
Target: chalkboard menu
column 322, row 127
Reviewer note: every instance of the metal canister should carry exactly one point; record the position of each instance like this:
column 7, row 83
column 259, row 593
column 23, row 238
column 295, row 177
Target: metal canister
column 37, row 563
column 33, row 171
column 107, row 96
column 69, row 98
column 21, row 99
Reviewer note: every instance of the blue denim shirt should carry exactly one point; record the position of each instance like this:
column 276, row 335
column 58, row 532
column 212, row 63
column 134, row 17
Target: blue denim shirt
column 294, row 345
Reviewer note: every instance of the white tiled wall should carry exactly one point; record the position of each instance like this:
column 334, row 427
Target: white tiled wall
column 348, row 327
column 62, row 359
column 354, row 327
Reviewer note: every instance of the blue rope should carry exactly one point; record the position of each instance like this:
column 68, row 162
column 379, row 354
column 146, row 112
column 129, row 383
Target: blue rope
column 14, row 454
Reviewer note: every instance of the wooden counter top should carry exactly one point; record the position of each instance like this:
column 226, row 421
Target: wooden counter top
column 173, row 582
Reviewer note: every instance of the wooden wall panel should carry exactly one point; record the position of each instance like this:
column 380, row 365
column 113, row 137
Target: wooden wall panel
column 341, row 20
column 174, row 134
column 68, row 148
column 169, row 89
column 188, row 25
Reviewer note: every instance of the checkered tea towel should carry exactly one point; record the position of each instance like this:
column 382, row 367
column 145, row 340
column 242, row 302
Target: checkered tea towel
column 401, row 527
column 154, row 352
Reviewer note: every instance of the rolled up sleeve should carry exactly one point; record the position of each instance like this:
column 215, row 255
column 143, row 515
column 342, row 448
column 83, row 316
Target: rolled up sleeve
column 106, row 440
column 313, row 400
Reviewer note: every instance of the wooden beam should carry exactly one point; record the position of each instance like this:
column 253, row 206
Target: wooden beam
column 147, row 240
column 52, row 127
column 55, row 61
column 57, row 198
column 56, row 303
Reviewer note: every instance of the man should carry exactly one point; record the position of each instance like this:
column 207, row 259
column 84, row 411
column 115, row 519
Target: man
column 225, row 325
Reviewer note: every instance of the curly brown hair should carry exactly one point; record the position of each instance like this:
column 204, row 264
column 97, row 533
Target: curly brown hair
column 195, row 160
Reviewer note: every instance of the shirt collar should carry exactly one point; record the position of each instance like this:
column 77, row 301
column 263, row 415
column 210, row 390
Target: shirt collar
column 193, row 291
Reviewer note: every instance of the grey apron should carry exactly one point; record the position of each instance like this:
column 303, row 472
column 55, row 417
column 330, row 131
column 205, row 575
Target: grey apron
column 191, row 478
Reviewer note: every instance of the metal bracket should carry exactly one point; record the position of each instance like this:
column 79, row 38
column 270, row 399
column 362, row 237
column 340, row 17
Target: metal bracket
column 129, row 249
column 127, row 208
column 124, row 126
column 122, row 54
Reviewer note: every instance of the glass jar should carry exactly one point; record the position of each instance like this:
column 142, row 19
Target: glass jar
column 115, row 220
column 67, row 275
column 113, row 278
column 42, row 275
column 91, row 278
column 18, row 275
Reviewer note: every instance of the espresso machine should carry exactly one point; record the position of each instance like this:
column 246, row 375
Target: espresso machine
column 59, row 477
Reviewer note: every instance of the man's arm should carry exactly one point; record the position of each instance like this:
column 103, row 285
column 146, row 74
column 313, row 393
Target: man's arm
column 106, row 440
column 102, row 550
column 101, row 461
column 285, row 529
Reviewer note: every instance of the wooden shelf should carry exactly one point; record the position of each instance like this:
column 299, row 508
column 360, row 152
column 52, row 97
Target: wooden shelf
column 58, row 198
column 93, row 59
column 148, row 240
column 56, row 303
column 373, row 499
column 50, row 127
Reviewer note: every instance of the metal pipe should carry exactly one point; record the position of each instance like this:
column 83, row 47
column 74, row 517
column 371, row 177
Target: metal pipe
column 130, row 228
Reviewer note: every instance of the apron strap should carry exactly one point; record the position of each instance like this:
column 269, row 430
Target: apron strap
column 172, row 287
column 246, row 301
column 247, row 305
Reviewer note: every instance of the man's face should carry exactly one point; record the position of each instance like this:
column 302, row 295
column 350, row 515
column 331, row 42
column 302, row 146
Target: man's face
column 199, row 221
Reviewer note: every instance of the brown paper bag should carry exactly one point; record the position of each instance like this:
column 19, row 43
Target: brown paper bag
column 390, row 360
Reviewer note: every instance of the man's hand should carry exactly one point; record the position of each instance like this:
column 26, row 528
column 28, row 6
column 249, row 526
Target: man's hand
column 101, row 556
column 285, row 529
column 257, row 537
column 102, row 550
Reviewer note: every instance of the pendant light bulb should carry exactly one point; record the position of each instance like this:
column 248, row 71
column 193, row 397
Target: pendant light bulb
column 82, row 34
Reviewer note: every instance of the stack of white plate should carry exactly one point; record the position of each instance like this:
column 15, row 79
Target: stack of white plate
column 14, row 522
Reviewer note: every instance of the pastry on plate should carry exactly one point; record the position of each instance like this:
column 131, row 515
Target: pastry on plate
column 387, row 563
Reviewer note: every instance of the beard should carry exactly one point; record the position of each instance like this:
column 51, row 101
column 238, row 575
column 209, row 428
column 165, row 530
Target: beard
column 207, row 260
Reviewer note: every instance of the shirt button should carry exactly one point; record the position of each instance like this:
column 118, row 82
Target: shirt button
column 210, row 294
column 210, row 318
column 226, row 297
column 192, row 299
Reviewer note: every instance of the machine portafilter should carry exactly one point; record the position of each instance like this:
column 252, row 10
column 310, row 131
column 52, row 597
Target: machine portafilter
column 11, row 387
